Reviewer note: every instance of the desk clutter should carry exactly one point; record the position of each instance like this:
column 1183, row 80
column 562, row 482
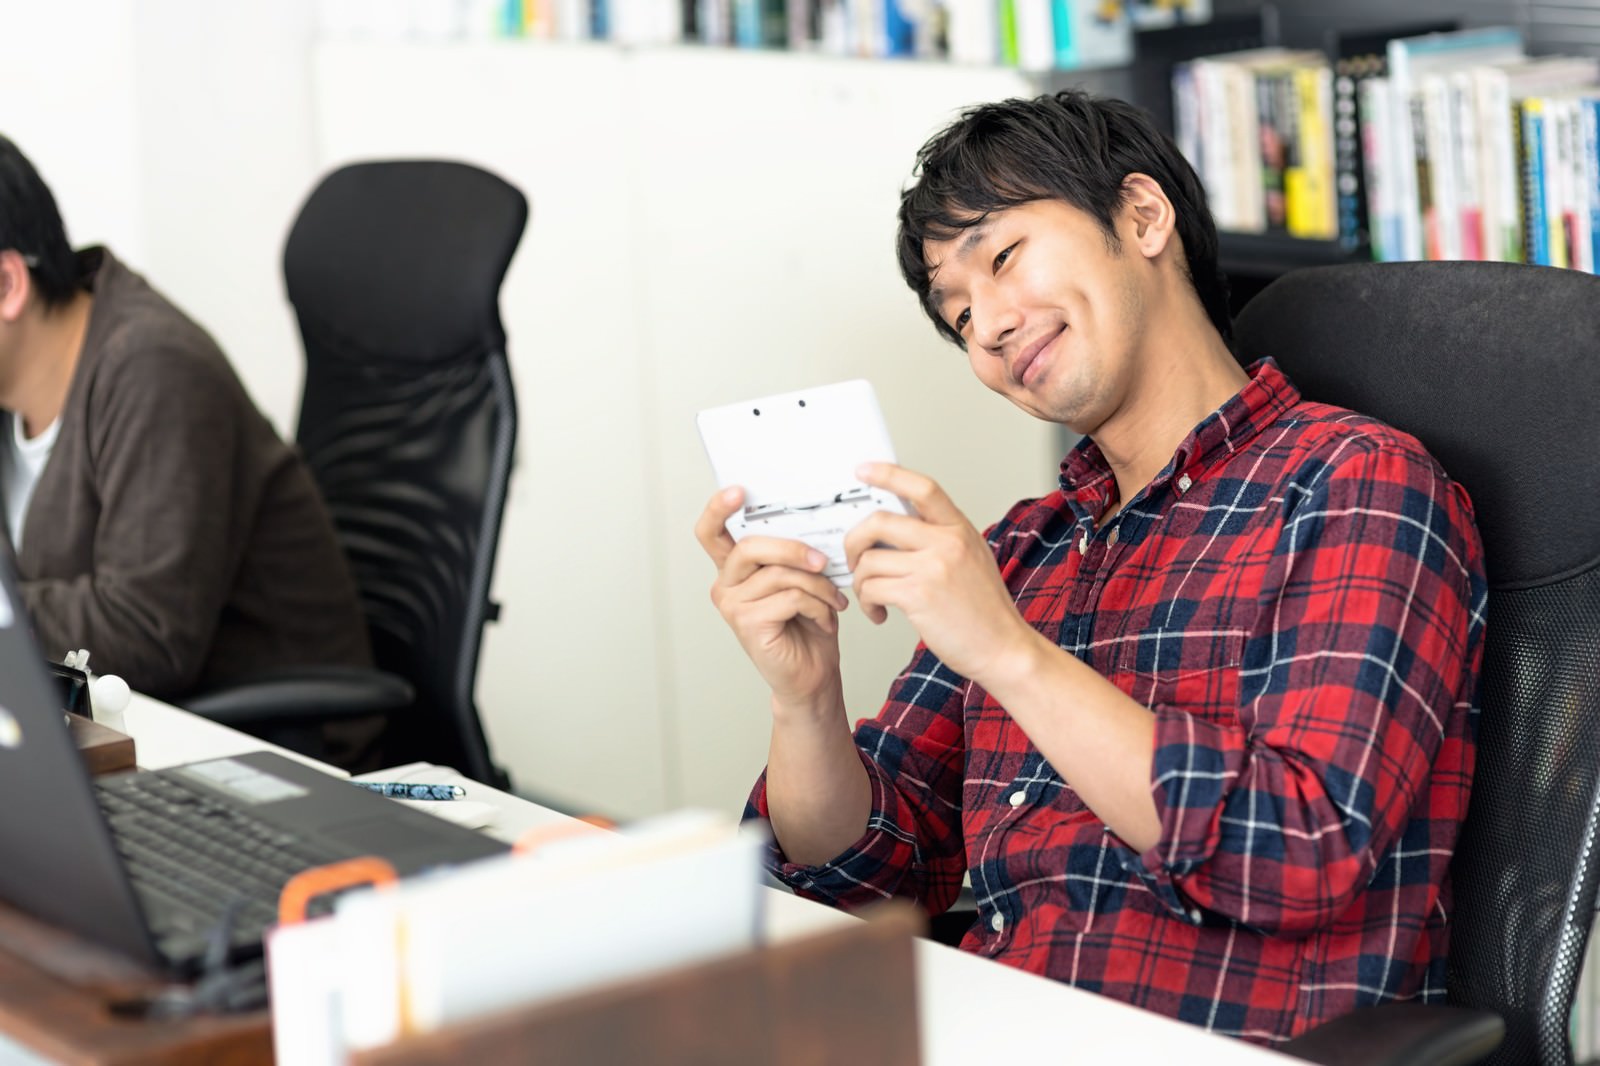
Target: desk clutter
column 601, row 937
column 583, row 946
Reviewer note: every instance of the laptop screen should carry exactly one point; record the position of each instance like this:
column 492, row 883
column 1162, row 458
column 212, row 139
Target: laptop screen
column 61, row 863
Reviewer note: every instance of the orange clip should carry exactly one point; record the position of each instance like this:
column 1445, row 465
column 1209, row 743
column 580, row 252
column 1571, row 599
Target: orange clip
column 307, row 885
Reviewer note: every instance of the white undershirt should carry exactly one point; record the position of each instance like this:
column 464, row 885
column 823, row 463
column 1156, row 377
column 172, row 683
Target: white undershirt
column 21, row 461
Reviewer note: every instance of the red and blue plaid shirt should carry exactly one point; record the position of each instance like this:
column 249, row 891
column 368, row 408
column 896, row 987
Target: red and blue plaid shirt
column 1299, row 598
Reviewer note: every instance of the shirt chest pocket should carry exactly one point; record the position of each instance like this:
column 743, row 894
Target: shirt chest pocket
column 1180, row 654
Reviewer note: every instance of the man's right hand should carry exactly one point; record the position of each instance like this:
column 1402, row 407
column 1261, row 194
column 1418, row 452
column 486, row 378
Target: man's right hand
column 772, row 594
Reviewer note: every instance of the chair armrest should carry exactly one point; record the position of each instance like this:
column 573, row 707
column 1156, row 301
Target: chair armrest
column 1401, row 1034
column 302, row 695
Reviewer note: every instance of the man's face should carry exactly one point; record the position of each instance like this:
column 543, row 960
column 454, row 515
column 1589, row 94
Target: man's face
column 1051, row 315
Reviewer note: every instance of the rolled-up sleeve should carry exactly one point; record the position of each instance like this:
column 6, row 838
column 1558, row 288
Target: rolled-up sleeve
column 914, row 754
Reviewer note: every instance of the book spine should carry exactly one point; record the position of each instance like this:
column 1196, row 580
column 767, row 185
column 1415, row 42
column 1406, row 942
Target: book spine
column 1535, row 232
column 747, row 23
column 1372, row 98
column 1066, row 43
column 1577, row 193
column 1217, row 143
column 1036, row 39
column 1417, row 215
column 1246, row 148
column 1270, row 94
column 1591, row 156
column 775, row 21
column 1349, row 151
column 1468, row 155
column 1497, row 163
column 1008, row 32
column 1308, row 185
column 1442, row 227
column 1555, row 150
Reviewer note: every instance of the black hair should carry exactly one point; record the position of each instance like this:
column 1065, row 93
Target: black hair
column 31, row 224
column 1070, row 146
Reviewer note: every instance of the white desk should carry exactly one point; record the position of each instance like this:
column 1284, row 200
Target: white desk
column 970, row 1009
column 164, row 735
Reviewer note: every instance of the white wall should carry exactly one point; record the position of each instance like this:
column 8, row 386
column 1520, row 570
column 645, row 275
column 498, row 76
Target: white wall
column 706, row 226
column 65, row 99
column 179, row 133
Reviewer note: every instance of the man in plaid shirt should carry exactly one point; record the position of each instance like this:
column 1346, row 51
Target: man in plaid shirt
column 1200, row 723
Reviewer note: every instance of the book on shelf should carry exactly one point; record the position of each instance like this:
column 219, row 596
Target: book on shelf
column 1437, row 145
column 1310, row 206
column 1258, row 121
column 760, row 24
column 973, row 31
column 1164, row 14
column 1499, row 88
column 1090, row 34
column 1410, row 60
column 1358, row 54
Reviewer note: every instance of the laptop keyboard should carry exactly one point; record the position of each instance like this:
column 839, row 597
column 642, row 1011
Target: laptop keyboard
column 192, row 857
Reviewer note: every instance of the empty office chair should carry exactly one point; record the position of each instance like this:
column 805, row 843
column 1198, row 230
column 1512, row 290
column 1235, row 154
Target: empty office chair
column 407, row 421
column 1496, row 368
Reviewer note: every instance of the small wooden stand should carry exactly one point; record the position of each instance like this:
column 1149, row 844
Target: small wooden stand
column 104, row 750
column 847, row 996
column 58, row 996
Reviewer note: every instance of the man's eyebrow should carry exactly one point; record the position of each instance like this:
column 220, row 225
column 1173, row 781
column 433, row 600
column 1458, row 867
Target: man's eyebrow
column 974, row 237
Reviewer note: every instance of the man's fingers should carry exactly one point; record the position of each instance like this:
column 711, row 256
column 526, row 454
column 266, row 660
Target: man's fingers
column 784, row 606
column 886, row 529
column 920, row 491
column 753, row 553
column 874, row 594
column 711, row 528
column 770, row 581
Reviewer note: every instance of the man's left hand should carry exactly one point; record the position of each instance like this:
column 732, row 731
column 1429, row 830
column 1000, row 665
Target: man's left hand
column 938, row 570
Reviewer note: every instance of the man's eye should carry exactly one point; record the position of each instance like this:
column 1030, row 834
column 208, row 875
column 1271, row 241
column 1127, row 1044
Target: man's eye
column 1005, row 253
column 962, row 319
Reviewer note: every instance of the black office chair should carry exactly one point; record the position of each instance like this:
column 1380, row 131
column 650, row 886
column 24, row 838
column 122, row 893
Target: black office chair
column 407, row 421
column 1496, row 368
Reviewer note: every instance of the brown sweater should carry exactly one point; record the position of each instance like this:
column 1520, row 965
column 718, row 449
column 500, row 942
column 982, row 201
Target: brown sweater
column 172, row 533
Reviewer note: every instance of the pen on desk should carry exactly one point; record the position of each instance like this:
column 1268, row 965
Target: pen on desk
column 413, row 791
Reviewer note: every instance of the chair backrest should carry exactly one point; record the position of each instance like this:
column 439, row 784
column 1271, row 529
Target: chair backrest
column 1495, row 367
column 408, row 418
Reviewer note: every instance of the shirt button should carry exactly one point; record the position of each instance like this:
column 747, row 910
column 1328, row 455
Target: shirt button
column 1111, row 539
column 1018, row 798
column 998, row 922
column 1184, row 482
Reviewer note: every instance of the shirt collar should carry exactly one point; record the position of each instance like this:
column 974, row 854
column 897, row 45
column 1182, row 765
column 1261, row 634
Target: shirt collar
column 1086, row 477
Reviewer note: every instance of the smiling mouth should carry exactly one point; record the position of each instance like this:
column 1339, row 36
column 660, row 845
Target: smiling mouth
column 1029, row 359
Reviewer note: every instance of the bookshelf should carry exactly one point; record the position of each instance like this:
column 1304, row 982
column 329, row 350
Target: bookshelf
column 1252, row 260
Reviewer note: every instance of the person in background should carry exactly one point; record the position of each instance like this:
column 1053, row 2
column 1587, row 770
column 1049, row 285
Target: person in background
column 1201, row 722
column 156, row 517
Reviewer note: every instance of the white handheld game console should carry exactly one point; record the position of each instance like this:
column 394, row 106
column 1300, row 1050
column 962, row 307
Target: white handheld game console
column 795, row 455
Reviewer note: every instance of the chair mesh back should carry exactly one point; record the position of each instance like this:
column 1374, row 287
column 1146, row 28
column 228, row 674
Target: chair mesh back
column 408, row 419
column 414, row 475
column 1496, row 368
column 1525, row 871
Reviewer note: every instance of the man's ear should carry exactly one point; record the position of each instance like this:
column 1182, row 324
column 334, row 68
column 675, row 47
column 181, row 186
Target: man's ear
column 1147, row 219
column 16, row 284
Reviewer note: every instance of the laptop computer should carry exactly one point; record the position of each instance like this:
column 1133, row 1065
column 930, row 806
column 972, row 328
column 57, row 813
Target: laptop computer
column 154, row 864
